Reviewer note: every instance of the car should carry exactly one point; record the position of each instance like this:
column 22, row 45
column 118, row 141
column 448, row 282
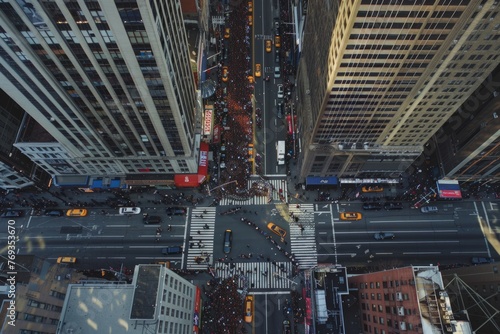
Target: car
column 393, row 206
column 250, row 150
column 277, row 56
column 277, row 41
column 66, row 259
column 286, row 327
column 248, row 309
column 147, row 219
column 429, row 209
column 279, row 109
column 280, row 91
column 77, row 212
column 222, row 165
column 228, row 238
column 269, row 45
column 225, row 74
column 258, row 72
column 227, row 33
column 224, row 121
column 276, row 229
column 372, row 206
column 277, row 72
column 172, row 250
column 54, row 213
column 276, row 26
column 250, row 79
column 482, row 260
column 370, row 189
column 250, row 6
column 350, row 216
column 250, row 20
column 12, row 213
column 176, row 211
column 129, row 211
column 383, row 235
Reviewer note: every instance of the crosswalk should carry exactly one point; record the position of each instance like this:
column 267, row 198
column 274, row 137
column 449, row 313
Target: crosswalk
column 303, row 235
column 201, row 238
column 258, row 275
column 278, row 194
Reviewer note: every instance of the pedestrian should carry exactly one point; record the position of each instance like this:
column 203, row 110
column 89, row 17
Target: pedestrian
column 199, row 232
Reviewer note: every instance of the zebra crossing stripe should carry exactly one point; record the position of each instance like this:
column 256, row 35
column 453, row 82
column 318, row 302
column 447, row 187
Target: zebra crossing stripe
column 280, row 192
column 258, row 275
column 201, row 241
column 303, row 235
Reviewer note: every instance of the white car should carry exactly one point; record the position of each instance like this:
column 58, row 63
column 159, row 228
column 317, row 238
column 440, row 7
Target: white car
column 280, row 91
column 277, row 72
column 129, row 211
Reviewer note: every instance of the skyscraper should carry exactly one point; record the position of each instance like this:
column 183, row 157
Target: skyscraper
column 111, row 81
column 378, row 78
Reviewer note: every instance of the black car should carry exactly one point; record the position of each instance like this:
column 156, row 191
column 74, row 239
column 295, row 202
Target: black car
column 280, row 110
column 372, row 206
column 176, row 211
column 277, row 56
column 54, row 213
column 393, row 206
column 147, row 219
column 12, row 214
column 482, row 260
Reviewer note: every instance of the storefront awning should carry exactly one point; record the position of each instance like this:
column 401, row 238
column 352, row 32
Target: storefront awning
column 115, row 183
column 188, row 180
column 96, row 184
column 449, row 189
column 321, row 181
column 203, row 161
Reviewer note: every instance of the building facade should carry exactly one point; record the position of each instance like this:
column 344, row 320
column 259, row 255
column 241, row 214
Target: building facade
column 378, row 78
column 157, row 301
column 409, row 299
column 111, row 81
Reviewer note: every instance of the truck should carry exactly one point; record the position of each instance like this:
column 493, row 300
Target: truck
column 280, row 152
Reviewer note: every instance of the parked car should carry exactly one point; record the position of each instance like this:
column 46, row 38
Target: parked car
column 54, row 213
column 248, row 309
column 227, row 33
column 250, row 6
column 277, row 41
column 171, row 250
column 383, row 235
column 372, row 189
column 429, row 209
column 350, row 216
column 228, row 239
column 129, row 211
column 276, row 229
column 276, row 26
column 372, row 206
column 280, row 91
column 482, row 260
column 277, row 56
column 393, row 206
column 176, row 211
column 12, row 214
column 77, row 212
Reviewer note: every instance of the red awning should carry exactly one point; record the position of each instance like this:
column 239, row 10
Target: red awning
column 203, row 162
column 186, row 180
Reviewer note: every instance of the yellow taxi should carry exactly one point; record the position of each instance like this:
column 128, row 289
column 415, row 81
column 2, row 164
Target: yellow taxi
column 258, row 72
column 350, row 216
column 370, row 189
column 250, row 79
column 277, row 41
column 226, row 33
column 76, row 212
column 248, row 309
column 276, row 229
column 269, row 45
column 250, row 6
column 225, row 74
column 66, row 259
column 250, row 20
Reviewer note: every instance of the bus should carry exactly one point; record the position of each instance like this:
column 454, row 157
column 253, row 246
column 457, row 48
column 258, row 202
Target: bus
column 280, row 150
